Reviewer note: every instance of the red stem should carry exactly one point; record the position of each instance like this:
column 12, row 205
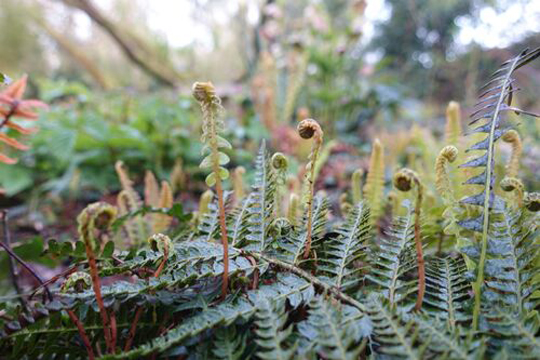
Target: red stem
column 224, row 238
column 82, row 333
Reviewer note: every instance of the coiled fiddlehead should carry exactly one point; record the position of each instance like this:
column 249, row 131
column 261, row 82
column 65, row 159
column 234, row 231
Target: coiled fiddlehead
column 531, row 201
column 512, row 137
column 513, row 184
column 93, row 220
column 310, row 129
column 404, row 180
column 210, row 104
column 442, row 179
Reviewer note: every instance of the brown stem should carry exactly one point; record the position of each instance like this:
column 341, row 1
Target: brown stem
column 113, row 330
column 419, row 251
column 312, row 279
column 224, row 238
column 82, row 333
column 133, row 328
column 96, row 284
column 13, row 271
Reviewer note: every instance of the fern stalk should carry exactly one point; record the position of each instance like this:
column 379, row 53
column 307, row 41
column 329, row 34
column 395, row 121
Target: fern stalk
column 496, row 100
column 308, row 129
column 97, row 217
column 403, row 181
column 210, row 104
column 157, row 242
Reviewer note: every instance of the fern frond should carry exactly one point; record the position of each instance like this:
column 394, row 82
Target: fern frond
column 229, row 344
column 151, row 189
column 340, row 255
column 271, row 332
column 160, row 222
column 334, row 338
column 495, row 100
column 260, row 204
column 447, row 289
column 394, row 258
column 511, row 257
column 516, row 334
column 374, row 187
column 445, row 341
column 293, row 247
column 393, row 337
column 285, row 287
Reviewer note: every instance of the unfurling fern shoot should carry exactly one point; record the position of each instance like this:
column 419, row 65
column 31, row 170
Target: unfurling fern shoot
column 210, row 103
column 356, row 186
column 404, row 180
column 374, row 187
column 453, row 123
column 442, row 179
column 512, row 137
column 531, row 201
column 95, row 219
column 509, row 184
column 308, row 129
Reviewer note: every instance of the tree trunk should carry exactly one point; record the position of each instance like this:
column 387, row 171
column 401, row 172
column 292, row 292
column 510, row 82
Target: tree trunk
column 161, row 71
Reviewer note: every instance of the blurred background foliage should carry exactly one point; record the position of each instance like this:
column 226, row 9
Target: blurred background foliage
column 117, row 75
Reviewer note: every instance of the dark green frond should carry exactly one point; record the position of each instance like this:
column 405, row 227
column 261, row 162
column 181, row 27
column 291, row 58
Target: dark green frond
column 229, row 344
column 293, row 246
column 393, row 337
column 271, row 332
column 447, row 289
column 515, row 334
column 332, row 336
column 511, row 263
column 260, row 204
column 394, row 258
column 286, row 287
column 340, row 256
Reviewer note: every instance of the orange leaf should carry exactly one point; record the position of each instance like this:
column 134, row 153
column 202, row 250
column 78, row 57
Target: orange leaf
column 20, row 129
column 7, row 160
column 12, row 142
column 16, row 89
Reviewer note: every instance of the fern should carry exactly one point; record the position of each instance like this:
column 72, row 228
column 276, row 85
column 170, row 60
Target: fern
column 393, row 337
column 223, row 314
column 447, row 289
column 394, row 258
column 272, row 333
column 515, row 333
column 293, row 247
column 495, row 100
column 335, row 338
column 229, row 344
column 511, row 258
column 341, row 254
column 260, row 203
column 374, row 187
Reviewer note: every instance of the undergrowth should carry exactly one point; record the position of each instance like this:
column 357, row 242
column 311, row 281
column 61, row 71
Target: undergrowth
column 240, row 280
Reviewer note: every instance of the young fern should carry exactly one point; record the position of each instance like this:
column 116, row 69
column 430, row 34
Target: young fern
column 495, row 100
column 356, row 186
column 453, row 123
column 210, row 104
column 512, row 137
column 404, row 181
column 308, row 129
column 374, row 187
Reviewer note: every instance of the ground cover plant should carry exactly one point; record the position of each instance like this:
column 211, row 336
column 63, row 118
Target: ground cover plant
column 277, row 274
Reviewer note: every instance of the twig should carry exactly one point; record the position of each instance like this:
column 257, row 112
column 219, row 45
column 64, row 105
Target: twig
column 12, row 266
column 312, row 279
column 19, row 260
